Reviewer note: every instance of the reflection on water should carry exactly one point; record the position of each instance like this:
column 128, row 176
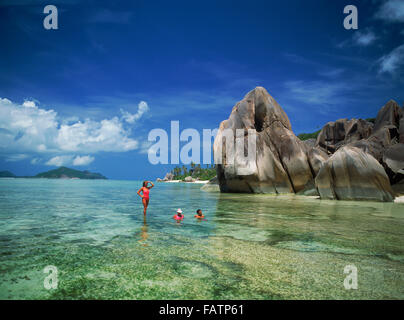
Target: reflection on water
column 143, row 233
column 249, row 246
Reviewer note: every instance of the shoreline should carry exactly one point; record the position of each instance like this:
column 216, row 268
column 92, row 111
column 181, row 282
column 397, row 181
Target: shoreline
column 179, row 181
column 399, row 199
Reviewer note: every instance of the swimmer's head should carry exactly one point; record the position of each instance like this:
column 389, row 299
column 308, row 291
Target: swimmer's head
column 144, row 183
column 199, row 212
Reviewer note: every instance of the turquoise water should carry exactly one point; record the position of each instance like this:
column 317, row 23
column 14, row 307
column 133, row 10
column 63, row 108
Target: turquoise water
column 250, row 247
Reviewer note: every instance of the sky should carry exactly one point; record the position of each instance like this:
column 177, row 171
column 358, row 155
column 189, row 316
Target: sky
column 87, row 95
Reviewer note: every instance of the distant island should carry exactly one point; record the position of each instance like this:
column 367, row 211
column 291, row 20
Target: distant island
column 59, row 173
column 7, row 174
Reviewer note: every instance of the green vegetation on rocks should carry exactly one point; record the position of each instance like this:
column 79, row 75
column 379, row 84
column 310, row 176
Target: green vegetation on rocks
column 307, row 136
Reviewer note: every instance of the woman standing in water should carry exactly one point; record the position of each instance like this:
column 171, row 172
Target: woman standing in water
column 145, row 197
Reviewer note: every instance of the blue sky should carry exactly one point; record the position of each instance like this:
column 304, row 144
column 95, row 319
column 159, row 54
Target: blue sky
column 87, row 95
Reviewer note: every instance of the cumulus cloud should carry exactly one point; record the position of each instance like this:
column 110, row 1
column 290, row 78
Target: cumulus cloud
column 132, row 118
column 28, row 129
column 59, row 161
column 393, row 61
column 391, row 11
column 66, row 160
column 82, row 161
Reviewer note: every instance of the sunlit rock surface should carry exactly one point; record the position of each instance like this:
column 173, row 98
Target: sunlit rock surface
column 351, row 174
column 281, row 164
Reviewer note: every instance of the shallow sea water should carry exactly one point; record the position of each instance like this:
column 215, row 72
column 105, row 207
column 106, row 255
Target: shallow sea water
column 249, row 247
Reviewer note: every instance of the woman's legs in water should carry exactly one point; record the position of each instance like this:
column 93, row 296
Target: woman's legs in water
column 145, row 204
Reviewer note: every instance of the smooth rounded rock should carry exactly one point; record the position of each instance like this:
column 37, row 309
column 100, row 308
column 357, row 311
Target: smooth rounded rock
column 352, row 174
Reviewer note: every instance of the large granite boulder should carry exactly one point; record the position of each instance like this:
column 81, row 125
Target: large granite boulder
column 386, row 131
column 189, row 179
column 169, row 176
column 401, row 130
column 336, row 134
column 393, row 161
column 309, row 143
column 352, row 174
column 389, row 115
column 281, row 164
column 316, row 157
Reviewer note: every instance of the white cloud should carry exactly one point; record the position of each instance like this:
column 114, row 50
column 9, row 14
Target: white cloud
column 145, row 146
column 360, row 38
column 66, row 160
column 82, row 161
column 16, row 157
column 30, row 104
column 132, row 118
column 316, row 92
column 59, row 161
column 91, row 136
column 392, row 62
column 364, row 38
column 391, row 11
column 28, row 129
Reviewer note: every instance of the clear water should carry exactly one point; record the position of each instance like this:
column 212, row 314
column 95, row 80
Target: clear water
column 250, row 247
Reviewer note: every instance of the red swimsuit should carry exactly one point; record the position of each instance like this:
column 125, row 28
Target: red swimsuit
column 146, row 193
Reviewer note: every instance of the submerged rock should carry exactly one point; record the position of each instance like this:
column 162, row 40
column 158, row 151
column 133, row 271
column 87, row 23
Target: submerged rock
column 281, row 164
column 352, row 174
column 212, row 185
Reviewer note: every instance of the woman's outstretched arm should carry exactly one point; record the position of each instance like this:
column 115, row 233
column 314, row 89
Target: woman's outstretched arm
column 152, row 185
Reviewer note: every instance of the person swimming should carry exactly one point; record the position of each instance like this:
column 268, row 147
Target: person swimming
column 145, row 189
column 199, row 214
column 178, row 216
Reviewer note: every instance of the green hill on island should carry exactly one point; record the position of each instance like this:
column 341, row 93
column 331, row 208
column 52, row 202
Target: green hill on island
column 67, row 173
column 6, row 174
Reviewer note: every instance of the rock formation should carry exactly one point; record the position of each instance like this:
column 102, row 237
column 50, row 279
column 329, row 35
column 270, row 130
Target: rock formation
column 351, row 159
column 393, row 160
column 189, row 179
column 169, row 176
column 281, row 163
column 352, row 174
column 343, row 131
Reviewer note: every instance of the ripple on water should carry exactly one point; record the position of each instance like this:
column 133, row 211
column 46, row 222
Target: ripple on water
column 245, row 233
column 313, row 246
column 101, row 275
